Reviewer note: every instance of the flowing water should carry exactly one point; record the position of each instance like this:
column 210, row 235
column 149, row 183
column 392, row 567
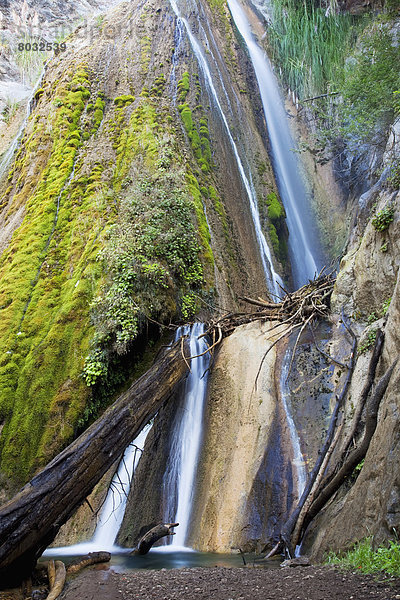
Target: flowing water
column 306, row 257
column 113, row 509
column 305, row 250
column 186, row 439
column 271, row 275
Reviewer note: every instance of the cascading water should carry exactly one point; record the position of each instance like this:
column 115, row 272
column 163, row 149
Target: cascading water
column 113, row 509
column 180, row 473
column 266, row 257
column 305, row 250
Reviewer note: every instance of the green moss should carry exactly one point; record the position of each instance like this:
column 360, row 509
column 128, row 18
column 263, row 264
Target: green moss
column 45, row 328
column 39, row 93
column 124, row 100
column 183, row 87
column 275, row 208
column 200, row 145
column 158, row 86
column 273, row 236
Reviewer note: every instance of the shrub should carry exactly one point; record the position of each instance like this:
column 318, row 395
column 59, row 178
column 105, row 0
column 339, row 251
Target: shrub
column 383, row 218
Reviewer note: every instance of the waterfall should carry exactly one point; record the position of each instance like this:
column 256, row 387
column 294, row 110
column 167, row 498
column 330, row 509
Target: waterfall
column 180, row 473
column 113, row 510
column 304, row 248
column 114, row 507
column 266, row 257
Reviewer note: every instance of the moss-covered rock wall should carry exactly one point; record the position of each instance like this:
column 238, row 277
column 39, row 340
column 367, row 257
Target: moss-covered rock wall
column 122, row 207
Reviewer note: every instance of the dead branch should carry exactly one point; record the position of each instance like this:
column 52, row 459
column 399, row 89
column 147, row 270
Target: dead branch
column 358, row 453
column 152, row 536
column 376, row 354
column 93, row 558
column 307, row 303
column 59, row 580
column 287, row 539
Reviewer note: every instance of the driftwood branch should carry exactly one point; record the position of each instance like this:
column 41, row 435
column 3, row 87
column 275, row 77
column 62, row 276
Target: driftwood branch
column 287, row 540
column 152, row 536
column 320, row 96
column 31, row 520
column 357, row 455
column 93, row 558
column 57, row 579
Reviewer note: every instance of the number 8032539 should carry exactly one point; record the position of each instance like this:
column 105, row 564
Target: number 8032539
column 41, row 46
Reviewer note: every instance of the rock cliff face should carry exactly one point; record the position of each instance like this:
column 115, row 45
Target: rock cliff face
column 107, row 121
column 28, row 23
column 368, row 289
column 124, row 202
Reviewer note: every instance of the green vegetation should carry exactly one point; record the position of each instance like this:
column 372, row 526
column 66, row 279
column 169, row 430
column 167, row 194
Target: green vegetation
column 368, row 342
column 48, row 277
column 149, row 254
column 363, row 557
column 368, row 83
column 95, row 255
column 183, row 87
column 309, row 45
column 124, row 100
column 383, row 218
column 355, row 61
column 200, row 145
column 273, row 215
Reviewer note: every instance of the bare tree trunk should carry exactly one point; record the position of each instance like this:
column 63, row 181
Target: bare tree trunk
column 31, row 520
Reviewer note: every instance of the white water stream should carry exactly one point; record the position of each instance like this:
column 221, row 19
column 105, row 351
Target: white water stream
column 305, row 252
column 270, row 274
column 179, row 477
column 113, row 510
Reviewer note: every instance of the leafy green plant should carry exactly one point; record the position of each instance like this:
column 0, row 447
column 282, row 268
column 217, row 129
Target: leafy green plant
column 385, row 306
column 364, row 558
column 368, row 82
column 368, row 342
column 383, row 218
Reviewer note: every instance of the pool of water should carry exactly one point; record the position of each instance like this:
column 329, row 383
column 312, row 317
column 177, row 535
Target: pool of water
column 163, row 558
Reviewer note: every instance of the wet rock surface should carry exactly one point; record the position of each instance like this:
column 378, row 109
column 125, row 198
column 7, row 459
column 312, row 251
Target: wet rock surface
column 313, row 583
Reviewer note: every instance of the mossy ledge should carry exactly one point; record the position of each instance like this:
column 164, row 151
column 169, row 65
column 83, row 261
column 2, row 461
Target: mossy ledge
column 76, row 293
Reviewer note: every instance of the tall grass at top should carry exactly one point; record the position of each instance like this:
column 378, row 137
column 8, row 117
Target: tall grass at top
column 309, row 44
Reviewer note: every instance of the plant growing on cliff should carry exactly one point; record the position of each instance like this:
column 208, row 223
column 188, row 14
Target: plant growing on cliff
column 383, row 218
column 368, row 82
column 368, row 342
column 309, row 45
column 148, row 254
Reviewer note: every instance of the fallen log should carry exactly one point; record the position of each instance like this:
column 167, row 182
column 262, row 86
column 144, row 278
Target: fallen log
column 152, row 536
column 357, row 455
column 93, row 558
column 289, row 540
column 31, row 520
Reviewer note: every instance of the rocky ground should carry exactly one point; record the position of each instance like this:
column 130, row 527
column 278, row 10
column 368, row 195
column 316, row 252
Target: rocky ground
column 220, row 583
